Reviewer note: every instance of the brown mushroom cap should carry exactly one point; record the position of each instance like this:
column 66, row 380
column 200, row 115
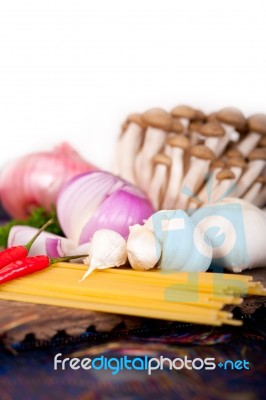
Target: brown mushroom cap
column 176, row 126
column 217, row 164
column 262, row 142
column 257, row 154
column 157, row 118
column 261, row 179
column 178, row 141
column 236, row 162
column 202, row 152
column 233, row 153
column 225, row 174
column 200, row 116
column 183, row 111
column 232, row 116
column 195, row 126
column 212, row 129
column 257, row 123
column 162, row 159
column 137, row 119
column 212, row 117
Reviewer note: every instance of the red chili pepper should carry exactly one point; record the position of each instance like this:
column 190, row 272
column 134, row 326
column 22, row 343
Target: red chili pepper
column 15, row 253
column 30, row 265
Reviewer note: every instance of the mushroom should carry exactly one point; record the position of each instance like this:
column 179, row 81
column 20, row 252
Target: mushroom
column 176, row 127
column 158, row 123
column 205, row 194
column 260, row 200
column 255, row 189
column 243, row 246
column 129, row 144
column 233, row 153
column 257, row 129
column 200, row 159
column 186, row 114
column 179, row 144
column 159, row 181
column 175, row 130
column 226, row 184
column 233, row 121
column 255, row 167
column 195, row 135
column 262, row 142
column 215, row 137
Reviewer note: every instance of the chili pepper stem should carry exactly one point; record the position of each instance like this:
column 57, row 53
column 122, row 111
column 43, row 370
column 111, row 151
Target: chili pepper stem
column 30, row 243
column 62, row 259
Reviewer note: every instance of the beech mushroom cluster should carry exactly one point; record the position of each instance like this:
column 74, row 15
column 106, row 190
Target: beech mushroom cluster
column 184, row 159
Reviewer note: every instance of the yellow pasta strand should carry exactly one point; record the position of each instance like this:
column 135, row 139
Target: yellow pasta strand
column 181, row 296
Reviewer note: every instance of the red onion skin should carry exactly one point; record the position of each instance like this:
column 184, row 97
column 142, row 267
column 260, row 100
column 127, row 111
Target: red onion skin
column 100, row 200
column 109, row 215
column 36, row 179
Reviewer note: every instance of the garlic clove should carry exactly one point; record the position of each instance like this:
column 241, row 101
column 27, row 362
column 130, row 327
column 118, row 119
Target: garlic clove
column 107, row 250
column 143, row 248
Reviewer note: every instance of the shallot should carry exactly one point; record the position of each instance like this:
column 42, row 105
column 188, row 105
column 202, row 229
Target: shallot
column 36, row 179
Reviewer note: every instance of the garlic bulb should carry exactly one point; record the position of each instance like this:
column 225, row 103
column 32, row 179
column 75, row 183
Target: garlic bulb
column 184, row 245
column 143, row 249
column 107, row 250
column 236, row 229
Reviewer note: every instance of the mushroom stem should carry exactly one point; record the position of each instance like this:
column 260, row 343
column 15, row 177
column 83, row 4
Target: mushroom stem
column 159, row 122
column 227, row 185
column 255, row 167
column 249, row 143
column 215, row 137
column 178, row 145
column 201, row 157
column 129, row 145
column 260, row 201
column 232, row 120
column 227, row 179
column 205, row 193
column 255, row 189
column 257, row 128
column 154, row 142
column 195, row 136
column 159, row 180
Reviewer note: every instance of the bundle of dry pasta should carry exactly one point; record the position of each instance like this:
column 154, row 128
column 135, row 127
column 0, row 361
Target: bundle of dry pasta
column 184, row 158
column 180, row 296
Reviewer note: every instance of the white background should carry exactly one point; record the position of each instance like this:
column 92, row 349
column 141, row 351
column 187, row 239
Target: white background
column 72, row 70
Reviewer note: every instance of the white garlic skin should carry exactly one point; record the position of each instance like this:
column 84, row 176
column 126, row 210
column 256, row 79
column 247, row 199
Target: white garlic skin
column 192, row 254
column 143, row 249
column 252, row 245
column 107, row 250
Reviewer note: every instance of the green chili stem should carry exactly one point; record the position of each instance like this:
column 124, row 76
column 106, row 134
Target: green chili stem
column 30, row 243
